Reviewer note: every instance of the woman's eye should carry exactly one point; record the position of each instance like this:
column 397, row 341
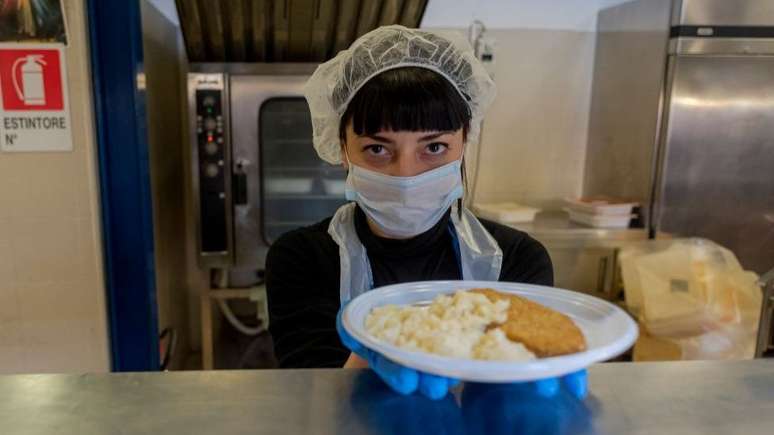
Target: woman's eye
column 376, row 150
column 437, row 148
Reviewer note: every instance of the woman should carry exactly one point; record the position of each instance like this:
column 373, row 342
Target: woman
column 397, row 110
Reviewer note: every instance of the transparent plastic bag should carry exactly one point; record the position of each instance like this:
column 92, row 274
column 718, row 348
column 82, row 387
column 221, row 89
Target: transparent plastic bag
column 694, row 293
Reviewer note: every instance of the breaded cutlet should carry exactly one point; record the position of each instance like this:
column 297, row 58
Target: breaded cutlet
column 545, row 332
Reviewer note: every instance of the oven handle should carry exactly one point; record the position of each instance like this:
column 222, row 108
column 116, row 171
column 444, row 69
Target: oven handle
column 239, row 181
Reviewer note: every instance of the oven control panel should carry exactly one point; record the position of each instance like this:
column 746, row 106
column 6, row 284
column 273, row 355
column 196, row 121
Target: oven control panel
column 212, row 168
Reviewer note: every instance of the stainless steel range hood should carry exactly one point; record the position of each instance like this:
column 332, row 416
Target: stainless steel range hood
column 284, row 30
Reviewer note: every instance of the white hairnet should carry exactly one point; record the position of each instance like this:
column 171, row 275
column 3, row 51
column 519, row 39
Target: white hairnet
column 335, row 82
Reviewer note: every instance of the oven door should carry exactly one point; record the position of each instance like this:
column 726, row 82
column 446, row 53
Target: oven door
column 280, row 183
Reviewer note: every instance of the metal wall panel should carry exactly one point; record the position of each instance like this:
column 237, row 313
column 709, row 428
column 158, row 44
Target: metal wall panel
column 212, row 17
column 346, row 24
column 716, row 179
column 237, row 18
column 723, row 13
column 323, row 27
column 258, row 30
column 279, row 30
column 191, row 25
column 412, row 12
column 369, row 16
column 390, row 13
column 284, row 30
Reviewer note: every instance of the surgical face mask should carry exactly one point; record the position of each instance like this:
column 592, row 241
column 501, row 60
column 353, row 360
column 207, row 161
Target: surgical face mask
column 403, row 207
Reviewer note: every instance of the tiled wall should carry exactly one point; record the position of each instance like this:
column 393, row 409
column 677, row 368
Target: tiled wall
column 52, row 298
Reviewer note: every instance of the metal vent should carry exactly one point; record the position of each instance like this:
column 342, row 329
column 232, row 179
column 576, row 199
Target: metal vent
column 284, row 30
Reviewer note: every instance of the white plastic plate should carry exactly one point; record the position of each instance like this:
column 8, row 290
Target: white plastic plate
column 609, row 331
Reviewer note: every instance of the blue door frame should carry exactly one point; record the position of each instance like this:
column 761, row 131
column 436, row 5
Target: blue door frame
column 115, row 35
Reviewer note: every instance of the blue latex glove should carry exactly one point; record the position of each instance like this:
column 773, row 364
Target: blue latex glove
column 407, row 381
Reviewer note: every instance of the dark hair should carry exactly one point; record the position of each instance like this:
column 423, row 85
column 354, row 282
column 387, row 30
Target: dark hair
column 407, row 99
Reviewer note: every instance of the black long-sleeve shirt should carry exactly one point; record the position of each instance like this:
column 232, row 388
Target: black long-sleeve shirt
column 302, row 279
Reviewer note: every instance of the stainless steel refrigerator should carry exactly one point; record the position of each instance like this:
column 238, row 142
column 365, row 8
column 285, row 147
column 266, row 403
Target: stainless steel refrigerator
column 682, row 119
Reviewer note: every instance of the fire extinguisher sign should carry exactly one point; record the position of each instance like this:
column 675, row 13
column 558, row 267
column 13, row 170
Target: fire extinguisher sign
column 34, row 112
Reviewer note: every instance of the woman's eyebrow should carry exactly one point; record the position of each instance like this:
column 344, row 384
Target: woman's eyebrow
column 378, row 138
column 434, row 135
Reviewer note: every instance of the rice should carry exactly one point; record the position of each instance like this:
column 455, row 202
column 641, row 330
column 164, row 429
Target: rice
column 452, row 325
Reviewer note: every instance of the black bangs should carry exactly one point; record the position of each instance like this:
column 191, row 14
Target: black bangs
column 406, row 99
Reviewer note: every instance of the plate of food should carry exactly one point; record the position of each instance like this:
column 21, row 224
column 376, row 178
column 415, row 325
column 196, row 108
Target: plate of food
column 483, row 331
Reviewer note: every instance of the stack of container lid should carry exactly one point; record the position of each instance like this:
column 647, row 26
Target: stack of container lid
column 601, row 212
column 506, row 212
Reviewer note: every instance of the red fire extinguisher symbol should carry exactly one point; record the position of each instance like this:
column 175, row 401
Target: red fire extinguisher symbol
column 30, row 79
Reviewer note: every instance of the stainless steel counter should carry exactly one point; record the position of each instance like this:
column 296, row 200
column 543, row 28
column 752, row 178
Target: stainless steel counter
column 655, row 398
column 556, row 225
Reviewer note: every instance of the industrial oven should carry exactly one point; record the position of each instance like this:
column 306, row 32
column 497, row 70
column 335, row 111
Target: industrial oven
column 255, row 172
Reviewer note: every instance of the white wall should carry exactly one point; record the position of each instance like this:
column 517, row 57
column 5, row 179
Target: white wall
column 579, row 15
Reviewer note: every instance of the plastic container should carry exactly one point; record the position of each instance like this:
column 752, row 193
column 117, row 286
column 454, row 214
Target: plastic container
column 609, row 331
column 508, row 212
column 601, row 206
column 601, row 220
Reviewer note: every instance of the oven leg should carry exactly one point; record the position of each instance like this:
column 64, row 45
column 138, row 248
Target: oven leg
column 207, row 343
